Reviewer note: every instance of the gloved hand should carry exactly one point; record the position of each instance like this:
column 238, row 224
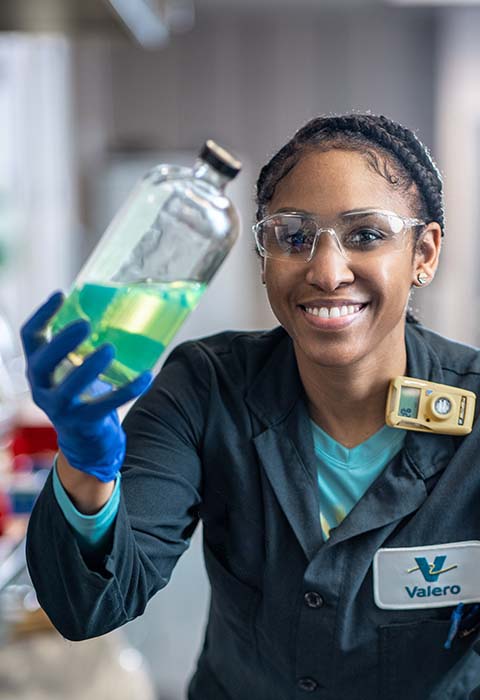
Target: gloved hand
column 89, row 433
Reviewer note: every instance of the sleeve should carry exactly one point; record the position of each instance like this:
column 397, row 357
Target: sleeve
column 92, row 532
column 160, row 496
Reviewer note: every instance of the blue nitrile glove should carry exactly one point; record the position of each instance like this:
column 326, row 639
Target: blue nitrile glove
column 89, row 433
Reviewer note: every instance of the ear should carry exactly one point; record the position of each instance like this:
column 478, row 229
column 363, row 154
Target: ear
column 427, row 253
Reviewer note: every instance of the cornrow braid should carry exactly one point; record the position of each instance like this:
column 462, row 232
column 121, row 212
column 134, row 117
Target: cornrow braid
column 406, row 161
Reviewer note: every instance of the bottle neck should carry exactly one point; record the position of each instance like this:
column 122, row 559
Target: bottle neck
column 206, row 172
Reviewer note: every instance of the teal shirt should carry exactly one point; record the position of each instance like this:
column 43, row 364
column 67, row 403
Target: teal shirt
column 344, row 474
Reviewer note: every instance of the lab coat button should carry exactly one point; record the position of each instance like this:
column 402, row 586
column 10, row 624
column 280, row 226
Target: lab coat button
column 313, row 599
column 307, row 684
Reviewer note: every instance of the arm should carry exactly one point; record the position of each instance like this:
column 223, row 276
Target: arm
column 158, row 511
column 87, row 493
column 92, row 532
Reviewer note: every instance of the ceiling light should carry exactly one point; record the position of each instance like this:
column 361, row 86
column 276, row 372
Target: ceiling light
column 143, row 21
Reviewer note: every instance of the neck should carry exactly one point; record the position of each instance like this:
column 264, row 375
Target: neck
column 348, row 402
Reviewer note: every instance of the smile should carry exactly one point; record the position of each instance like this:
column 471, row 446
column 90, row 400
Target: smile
column 332, row 317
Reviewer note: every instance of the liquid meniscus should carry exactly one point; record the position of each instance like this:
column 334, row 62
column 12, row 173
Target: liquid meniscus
column 139, row 319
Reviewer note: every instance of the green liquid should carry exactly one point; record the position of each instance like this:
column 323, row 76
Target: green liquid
column 139, row 319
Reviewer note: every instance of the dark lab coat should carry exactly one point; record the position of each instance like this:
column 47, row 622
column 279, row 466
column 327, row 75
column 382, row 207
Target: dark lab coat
column 224, row 436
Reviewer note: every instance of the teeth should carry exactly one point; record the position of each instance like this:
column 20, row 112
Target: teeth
column 333, row 311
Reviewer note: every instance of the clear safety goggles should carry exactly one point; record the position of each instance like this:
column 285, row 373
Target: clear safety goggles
column 358, row 235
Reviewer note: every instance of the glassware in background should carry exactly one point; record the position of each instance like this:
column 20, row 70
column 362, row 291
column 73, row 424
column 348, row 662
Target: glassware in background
column 153, row 264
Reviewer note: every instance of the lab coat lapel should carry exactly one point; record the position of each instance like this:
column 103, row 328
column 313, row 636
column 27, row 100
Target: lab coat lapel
column 284, row 443
column 397, row 492
column 290, row 472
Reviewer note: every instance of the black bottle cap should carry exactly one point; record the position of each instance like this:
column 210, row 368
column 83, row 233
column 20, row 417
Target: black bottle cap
column 220, row 159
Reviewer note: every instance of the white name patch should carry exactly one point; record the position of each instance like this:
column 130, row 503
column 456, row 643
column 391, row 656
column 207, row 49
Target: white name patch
column 427, row 577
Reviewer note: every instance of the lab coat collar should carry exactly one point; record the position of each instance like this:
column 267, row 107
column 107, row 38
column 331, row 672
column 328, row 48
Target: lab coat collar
column 284, row 444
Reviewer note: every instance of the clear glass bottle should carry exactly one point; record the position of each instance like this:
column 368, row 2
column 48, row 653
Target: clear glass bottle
column 153, row 263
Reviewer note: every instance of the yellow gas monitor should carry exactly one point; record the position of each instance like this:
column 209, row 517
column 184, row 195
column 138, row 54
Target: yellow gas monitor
column 415, row 404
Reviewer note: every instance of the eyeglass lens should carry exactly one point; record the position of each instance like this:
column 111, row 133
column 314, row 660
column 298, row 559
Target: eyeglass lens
column 294, row 235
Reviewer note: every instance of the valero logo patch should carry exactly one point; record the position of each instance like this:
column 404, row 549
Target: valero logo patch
column 427, row 576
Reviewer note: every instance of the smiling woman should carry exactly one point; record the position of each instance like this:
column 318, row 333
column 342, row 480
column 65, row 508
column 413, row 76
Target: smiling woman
column 334, row 548
column 350, row 219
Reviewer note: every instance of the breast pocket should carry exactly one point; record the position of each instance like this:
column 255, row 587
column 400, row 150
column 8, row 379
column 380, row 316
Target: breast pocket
column 414, row 663
column 233, row 602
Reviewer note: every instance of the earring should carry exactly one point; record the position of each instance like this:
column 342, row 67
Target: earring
column 422, row 278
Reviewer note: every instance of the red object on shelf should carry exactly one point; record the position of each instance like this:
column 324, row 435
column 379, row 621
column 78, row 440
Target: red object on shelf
column 33, row 439
column 5, row 510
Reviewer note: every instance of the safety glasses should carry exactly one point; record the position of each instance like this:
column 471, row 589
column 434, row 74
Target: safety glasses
column 358, row 235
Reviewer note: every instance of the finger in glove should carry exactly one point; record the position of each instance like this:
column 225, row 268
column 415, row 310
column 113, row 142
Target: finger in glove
column 99, row 408
column 46, row 358
column 81, row 377
column 31, row 331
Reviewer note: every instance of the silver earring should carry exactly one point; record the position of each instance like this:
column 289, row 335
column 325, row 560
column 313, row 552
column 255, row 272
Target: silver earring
column 422, row 278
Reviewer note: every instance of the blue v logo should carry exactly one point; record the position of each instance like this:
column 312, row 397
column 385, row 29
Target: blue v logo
column 431, row 572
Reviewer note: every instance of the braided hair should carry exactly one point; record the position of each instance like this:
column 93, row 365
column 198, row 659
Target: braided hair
column 390, row 149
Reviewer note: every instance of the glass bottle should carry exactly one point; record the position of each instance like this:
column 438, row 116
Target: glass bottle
column 153, row 263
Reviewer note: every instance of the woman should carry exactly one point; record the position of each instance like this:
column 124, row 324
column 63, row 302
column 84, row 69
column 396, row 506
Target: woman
column 322, row 525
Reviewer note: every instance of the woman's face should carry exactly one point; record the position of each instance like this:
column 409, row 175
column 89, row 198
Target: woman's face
column 327, row 184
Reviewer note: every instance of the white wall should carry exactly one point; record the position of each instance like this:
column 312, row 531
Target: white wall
column 455, row 309
column 36, row 169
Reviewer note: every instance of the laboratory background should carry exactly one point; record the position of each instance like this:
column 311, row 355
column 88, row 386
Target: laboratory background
column 93, row 93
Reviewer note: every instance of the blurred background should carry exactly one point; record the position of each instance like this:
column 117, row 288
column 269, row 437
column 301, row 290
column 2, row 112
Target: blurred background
column 92, row 94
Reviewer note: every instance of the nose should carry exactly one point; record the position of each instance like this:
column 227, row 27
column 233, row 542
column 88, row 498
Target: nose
column 329, row 268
